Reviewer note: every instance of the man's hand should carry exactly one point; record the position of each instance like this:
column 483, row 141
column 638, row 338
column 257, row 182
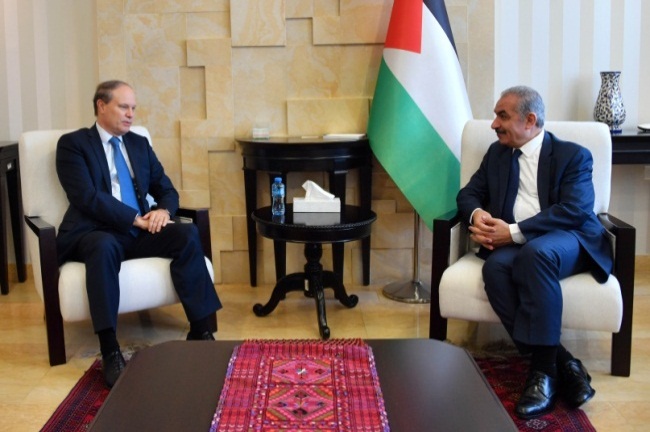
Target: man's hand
column 489, row 232
column 154, row 221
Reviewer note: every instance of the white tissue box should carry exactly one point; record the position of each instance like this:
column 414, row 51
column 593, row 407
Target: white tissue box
column 301, row 205
column 316, row 219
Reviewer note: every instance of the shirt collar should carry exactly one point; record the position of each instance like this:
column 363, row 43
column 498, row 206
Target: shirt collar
column 533, row 146
column 103, row 135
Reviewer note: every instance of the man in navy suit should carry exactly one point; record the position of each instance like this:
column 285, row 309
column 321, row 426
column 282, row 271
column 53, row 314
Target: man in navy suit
column 545, row 231
column 101, row 230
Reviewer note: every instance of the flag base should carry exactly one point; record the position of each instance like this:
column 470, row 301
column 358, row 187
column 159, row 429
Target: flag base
column 408, row 292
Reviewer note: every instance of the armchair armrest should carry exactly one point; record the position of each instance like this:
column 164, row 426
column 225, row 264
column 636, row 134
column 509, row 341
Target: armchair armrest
column 201, row 218
column 48, row 260
column 624, row 248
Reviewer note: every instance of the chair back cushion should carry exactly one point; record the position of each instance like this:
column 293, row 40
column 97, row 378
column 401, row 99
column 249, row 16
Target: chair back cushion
column 587, row 305
column 42, row 194
column 595, row 136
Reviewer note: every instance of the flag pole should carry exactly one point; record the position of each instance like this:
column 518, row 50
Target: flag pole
column 414, row 291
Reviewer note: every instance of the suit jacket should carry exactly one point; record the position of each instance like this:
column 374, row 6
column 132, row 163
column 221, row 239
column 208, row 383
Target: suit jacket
column 566, row 196
column 83, row 172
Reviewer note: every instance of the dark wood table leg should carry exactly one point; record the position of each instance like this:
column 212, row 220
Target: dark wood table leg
column 292, row 282
column 330, row 280
column 250, row 187
column 365, row 202
column 4, row 272
column 337, row 181
column 314, row 274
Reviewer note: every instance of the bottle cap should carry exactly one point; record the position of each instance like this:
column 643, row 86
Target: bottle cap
column 278, row 179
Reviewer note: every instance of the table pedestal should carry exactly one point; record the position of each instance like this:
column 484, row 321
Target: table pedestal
column 317, row 280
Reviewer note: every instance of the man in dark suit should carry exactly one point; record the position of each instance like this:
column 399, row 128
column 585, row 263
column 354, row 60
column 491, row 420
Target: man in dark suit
column 542, row 231
column 109, row 220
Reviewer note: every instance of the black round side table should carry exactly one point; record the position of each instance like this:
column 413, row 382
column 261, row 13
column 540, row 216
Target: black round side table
column 313, row 229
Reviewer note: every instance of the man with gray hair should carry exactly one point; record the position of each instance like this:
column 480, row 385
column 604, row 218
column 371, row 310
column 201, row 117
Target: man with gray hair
column 530, row 208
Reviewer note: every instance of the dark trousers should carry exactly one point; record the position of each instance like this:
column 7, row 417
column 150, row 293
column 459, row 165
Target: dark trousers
column 522, row 283
column 103, row 252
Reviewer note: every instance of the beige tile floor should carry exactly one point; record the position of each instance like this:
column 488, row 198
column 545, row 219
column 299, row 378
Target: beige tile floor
column 30, row 389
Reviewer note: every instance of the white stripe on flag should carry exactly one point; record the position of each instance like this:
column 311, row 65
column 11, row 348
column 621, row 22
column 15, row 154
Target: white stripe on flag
column 434, row 80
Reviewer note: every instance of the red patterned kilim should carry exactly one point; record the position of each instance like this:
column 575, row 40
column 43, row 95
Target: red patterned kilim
column 301, row 385
column 79, row 408
column 507, row 375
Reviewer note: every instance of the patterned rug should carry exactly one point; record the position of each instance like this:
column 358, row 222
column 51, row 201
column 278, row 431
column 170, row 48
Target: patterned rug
column 505, row 373
column 79, row 408
column 301, row 385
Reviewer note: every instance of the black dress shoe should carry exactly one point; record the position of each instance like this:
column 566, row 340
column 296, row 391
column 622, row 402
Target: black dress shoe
column 575, row 385
column 538, row 397
column 206, row 335
column 112, row 366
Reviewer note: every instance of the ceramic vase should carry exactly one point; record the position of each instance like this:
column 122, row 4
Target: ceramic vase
column 609, row 107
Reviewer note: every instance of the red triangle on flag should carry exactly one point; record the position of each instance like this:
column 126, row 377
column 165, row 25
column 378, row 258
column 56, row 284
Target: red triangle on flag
column 405, row 27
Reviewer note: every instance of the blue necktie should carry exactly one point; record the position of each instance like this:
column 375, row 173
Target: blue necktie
column 124, row 177
column 513, row 188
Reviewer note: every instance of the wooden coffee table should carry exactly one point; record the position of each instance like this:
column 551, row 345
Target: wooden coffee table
column 427, row 385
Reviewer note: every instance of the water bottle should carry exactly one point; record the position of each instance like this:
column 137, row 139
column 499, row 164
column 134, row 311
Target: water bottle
column 277, row 197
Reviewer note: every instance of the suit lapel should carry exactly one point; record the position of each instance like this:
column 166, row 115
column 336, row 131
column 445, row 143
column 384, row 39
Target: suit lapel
column 504, row 172
column 544, row 172
column 98, row 151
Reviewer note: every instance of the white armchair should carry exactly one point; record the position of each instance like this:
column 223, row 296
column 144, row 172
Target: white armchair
column 457, row 288
column 63, row 290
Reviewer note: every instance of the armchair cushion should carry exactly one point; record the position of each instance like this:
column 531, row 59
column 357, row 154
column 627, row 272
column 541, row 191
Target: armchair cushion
column 592, row 306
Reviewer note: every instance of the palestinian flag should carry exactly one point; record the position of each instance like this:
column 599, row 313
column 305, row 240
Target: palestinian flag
column 420, row 107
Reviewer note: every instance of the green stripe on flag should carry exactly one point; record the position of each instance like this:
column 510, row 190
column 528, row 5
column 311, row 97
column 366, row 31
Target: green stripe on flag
column 411, row 150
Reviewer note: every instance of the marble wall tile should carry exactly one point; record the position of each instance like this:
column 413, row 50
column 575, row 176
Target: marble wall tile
column 156, row 40
column 363, row 23
column 194, row 198
column 258, row 23
column 299, row 8
column 323, row 116
column 194, row 165
column 299, row 32
column 171, row 6
column 259, row 87
column 208, row 52
column 388, row 266
column 226, row 184
column 239, row 233
column 393, row 231
column 208, row 25
column 234, row 267
column 219, row 94
column 168, row 151
column 221, row 231
column 192, row 81
column 158, row 98
column 111, row 51
column 326, row 8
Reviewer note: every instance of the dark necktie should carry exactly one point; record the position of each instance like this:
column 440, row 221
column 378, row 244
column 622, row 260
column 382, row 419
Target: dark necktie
column 124, row 177
column 513, row 187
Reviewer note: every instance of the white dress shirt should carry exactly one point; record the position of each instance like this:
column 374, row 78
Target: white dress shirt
column 108, row 149
column 527, row 201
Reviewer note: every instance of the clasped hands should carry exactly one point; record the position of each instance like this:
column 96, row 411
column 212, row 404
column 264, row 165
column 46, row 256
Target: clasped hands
column 154, row 221
column 488, row 231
